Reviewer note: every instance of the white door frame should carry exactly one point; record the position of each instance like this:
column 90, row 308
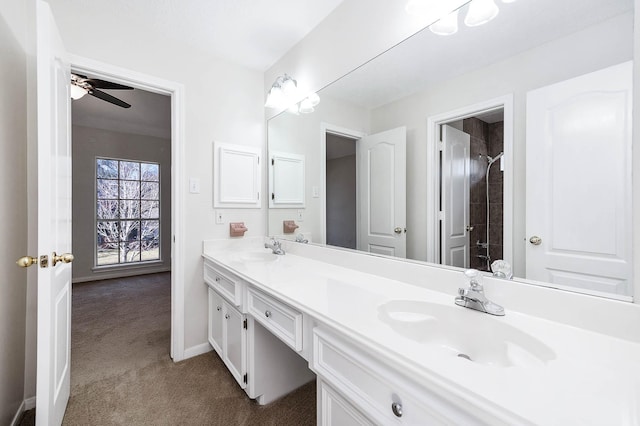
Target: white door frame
column 433, row 179
column 176, row 91
column 340, row 131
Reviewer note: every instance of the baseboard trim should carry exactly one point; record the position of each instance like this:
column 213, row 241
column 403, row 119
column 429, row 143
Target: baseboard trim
column 119, row 274
column 29, row 403
column 197, row 350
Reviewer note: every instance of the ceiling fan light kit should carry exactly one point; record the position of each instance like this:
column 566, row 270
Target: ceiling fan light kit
column 82, row 85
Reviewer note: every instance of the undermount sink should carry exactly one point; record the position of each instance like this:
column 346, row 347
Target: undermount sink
column 464, row 333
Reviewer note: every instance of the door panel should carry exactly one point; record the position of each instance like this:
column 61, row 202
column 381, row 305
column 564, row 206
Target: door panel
column 54, row 220
column 381, row 164
column 579, row 182
column 235, row 343
column 455, row 197
column 215, row 321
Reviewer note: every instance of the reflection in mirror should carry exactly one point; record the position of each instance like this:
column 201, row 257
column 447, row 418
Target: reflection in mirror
column 506, row 141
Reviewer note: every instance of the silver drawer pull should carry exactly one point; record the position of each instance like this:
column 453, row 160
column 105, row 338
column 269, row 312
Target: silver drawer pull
column 218, row 308
column 267, row 314
column 226, row 316
column 397, row 409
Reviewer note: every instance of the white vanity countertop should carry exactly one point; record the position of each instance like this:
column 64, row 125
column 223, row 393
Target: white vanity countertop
column 588, row 379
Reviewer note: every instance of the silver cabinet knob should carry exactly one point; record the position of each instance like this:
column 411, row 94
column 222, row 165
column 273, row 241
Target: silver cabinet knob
column 267, row 314
column 535, row 240
column 218, row 308
column 226, row 316
column 396, row 407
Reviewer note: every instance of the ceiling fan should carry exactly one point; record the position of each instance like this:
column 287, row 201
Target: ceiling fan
column 82, row 85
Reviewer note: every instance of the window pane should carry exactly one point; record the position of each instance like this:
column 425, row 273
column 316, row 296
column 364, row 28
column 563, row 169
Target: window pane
column 107, row 254
column 150, row 230
column 107, row 189
column 129, row 230
column 150, row 250
column 129, row 170
column 130, row 252
column 106, row 168
column 130, row 209
column 107, row 231
column 150, row 171
column 129, row 190
column 107, row 209
column 150, row 191
column 150, row 209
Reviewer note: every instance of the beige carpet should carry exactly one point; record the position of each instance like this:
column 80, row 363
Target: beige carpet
column 121, row 372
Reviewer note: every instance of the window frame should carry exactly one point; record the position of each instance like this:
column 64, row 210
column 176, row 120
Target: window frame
column 139, row 263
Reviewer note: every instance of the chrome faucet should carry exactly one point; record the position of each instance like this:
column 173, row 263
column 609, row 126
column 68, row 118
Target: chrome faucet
column 474, row 298
column 275, row 246
column 301, row 239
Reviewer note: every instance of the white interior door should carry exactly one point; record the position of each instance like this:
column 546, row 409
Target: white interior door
column 381, row 164
column 54, row 220
column 456, row 161
column 579, row 182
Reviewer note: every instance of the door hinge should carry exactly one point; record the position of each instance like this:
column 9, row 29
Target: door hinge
column 244, row 379
column 440, row 215
column 244, row 324
column 273, row 196
column 273, row 162
column 440, row 145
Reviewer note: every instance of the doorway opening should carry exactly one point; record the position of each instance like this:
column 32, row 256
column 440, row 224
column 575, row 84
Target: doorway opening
column 168, row 125
column 471, row 151
column 471, row 188
column 341, row 191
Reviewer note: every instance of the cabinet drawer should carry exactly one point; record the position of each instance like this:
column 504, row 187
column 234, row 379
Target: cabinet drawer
column 227, row 285
column 281, row 320
column 374, row 388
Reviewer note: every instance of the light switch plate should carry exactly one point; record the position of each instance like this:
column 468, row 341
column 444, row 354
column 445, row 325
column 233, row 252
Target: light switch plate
column 315, row 191
column 300, row 215
column 219, row 217
column 194, row 185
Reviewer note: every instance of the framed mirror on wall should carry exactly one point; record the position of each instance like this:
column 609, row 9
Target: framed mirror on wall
column 525, row 117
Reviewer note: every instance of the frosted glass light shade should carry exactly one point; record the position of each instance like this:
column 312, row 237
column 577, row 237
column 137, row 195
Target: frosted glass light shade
column 314, row 99
column 447, row 25
column 77, row 92
column 275, row 99
column 306, row 107
column 480, row 12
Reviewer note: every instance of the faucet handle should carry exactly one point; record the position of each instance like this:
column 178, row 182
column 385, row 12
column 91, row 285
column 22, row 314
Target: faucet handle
column 462, row 292
column 475, row 279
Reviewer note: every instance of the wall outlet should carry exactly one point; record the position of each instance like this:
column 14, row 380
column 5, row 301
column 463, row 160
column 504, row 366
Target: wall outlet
column 219, row 217
column 300, row 215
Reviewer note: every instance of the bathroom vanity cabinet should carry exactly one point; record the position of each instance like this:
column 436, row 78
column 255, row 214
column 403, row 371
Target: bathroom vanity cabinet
column 262, row 364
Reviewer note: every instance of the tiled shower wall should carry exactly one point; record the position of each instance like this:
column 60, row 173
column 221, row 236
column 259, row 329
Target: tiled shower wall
column 485, row 139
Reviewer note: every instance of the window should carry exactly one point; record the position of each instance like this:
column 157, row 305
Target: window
column 127, row 211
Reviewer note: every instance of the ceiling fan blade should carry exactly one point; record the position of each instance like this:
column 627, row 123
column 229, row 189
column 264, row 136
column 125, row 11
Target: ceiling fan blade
column 107, row 97
column 103, row 84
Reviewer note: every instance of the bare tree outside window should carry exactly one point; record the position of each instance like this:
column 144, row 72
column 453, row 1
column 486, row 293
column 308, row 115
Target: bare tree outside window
column 127, row 211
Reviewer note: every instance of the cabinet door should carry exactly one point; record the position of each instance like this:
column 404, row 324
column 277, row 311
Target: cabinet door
column 335, row 410
column 235, row 343
column 215, row 321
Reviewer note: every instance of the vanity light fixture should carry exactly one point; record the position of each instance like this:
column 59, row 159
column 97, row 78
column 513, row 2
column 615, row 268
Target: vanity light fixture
column 284, row 94
column 479, row 12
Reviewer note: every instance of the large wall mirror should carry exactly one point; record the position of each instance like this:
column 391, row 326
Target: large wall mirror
column 510, row 140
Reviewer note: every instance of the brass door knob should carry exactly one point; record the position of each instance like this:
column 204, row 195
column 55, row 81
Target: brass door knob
column 535, row 240
column 64, row 257
column 26, row 261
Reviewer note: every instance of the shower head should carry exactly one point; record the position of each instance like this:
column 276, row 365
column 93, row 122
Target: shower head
column 494, row 159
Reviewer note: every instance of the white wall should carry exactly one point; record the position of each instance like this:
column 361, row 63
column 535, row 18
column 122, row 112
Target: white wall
column 89, row 143
column 597, row 47
column 13, row 209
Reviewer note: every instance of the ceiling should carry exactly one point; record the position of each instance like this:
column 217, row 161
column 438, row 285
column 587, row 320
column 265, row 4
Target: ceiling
column 253, row 33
